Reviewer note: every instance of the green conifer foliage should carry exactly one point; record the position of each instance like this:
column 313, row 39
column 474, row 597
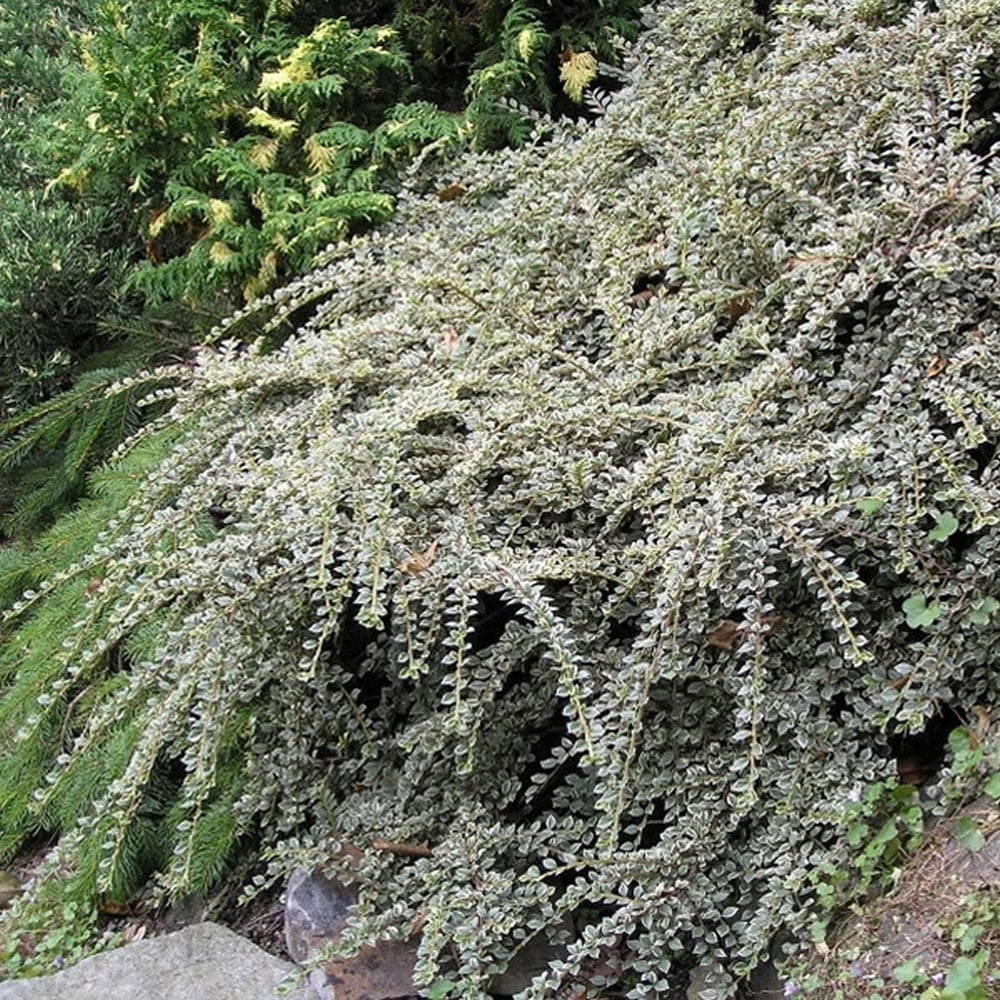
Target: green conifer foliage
column 596, row 527
column 60, row 263
column 251, row 136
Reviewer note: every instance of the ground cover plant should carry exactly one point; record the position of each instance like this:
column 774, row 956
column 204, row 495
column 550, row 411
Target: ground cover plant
column 598, row 528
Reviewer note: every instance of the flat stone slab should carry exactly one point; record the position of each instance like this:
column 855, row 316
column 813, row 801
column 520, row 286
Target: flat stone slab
column 201, row 962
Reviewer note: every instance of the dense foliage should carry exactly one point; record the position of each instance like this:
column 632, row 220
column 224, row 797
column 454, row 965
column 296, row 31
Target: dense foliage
column 207, row 150
column 597, row 527
column 68, row 326
column 62, row 263
column 251, row 135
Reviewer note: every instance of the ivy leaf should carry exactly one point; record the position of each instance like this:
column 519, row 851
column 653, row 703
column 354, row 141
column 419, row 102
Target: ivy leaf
column 963, row 977
column 982, row 611
column 919, row 613
column 968, row 834
column 870, row 505
column 856, row 833
column 992, row 788
column 440, row 989
column 908, row 972
column 945, row 526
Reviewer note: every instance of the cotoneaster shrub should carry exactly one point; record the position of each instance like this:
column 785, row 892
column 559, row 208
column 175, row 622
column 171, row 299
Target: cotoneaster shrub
column 596, row 527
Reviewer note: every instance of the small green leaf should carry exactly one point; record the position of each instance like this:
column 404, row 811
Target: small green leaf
column 982, row 611
column 963, row 976
column 888, row 834
column 817, row 931
column 992, row 788
column 918, row 613
column 856, row 833
column 959, row 741
column 870, row 505
column 440, row 989
column 908, row 972
column 968, row 834
column 946, row 525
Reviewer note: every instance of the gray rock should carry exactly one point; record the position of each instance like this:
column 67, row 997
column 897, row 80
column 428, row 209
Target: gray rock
column 533, row 960
column 316, row 910
column 202, row 962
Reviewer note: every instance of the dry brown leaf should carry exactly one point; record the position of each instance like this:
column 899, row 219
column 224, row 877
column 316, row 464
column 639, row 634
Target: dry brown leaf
column 419, row 562
column 740, row 306
column 979, row 724
column 113, row 908
column 451, row 192
column 729, row 634
column 639, row 300
column 450, row 340
column 724, row 636
column 937, row 366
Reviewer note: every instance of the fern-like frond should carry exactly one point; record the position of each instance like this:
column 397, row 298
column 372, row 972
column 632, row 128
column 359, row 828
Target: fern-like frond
column 577, row 71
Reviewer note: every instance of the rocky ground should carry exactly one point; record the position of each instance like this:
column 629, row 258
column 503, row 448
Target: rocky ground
column 938, row 929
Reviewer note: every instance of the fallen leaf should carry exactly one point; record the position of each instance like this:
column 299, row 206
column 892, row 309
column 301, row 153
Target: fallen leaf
column 112, row 908
column 642, row 299
column 729, row 633
column 450, row 340
column 725, row 635
column 982, row 721
column 451, row 192
column 937, row 366
column 419, row 562
column 740, row 306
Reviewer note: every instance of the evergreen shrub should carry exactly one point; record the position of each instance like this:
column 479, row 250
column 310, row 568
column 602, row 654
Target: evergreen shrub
column 598, row 527
column 61, row 264
column 59, row 283
column 68, row 329
column 248, row 136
